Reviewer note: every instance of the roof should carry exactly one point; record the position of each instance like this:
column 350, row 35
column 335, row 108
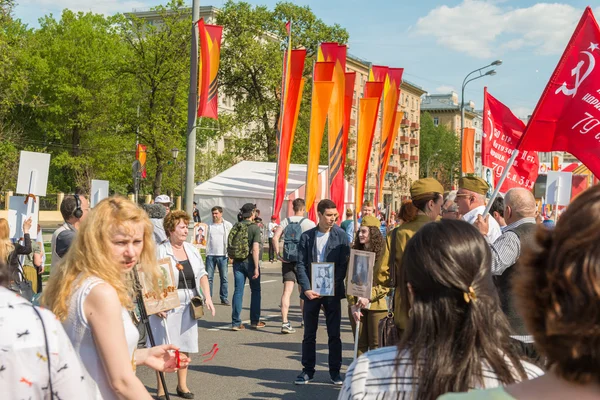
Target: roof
column 252, row 179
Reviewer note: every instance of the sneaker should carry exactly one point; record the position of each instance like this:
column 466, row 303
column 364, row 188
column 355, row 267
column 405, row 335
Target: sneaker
column 303, row 379
column 259, row 324
column 238, row 328
column 336, row 379
column 287, row 328
column 225, row 303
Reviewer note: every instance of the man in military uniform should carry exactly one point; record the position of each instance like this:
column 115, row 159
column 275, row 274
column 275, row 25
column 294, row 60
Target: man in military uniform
column 471, row 203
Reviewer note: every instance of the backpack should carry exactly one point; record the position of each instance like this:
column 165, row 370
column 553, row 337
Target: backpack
column 237, row 242
column 291, row 240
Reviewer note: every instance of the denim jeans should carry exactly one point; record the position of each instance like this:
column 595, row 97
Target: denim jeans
column 333, row 319
column 221, row 263
column 242, row 270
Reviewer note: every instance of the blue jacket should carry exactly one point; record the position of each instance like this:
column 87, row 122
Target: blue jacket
column 337, row 251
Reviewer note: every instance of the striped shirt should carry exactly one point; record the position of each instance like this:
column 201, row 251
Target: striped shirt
column 505, row 253
column 374, row 376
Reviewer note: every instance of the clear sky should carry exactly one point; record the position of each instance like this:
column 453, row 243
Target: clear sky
column 437, row 42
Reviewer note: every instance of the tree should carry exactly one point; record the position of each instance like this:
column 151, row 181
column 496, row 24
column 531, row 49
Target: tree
column 251, row 69
column 159, row 66
column 439, row 151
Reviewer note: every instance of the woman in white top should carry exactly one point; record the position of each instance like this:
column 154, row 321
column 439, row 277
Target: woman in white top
column 34, row 350
column 190, row 276
column 456, row 337
column 93, row 291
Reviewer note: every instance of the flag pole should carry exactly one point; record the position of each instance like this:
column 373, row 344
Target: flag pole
column 284, row 68
column 192, row 113
column 509, row 165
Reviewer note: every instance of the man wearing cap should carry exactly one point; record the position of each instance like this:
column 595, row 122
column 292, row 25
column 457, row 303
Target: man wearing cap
column 196, row 213
column 159, row 231
column 471, row 203
column 427, row 197
column 247, row 268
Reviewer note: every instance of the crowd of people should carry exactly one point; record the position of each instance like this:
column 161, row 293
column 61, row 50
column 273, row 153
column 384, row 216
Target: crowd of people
column 497, row 306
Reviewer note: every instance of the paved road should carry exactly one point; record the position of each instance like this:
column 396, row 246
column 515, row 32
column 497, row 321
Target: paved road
column 257, row 364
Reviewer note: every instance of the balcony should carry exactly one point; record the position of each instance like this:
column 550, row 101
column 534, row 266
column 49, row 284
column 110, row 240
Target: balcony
column 405, row 122
column 414, row 142
column 396, row 151
column 351, row 162
column 414, row 159
column 404, row 157
column 404, row 139
column 392, row 169
column 414, row 125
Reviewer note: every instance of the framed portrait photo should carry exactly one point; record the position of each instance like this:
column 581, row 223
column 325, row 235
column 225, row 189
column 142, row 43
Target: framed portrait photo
column 199, row 238
column 360, row 273
column 323, row 278
column 168, row 298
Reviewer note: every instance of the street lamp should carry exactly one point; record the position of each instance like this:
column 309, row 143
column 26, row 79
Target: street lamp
column 175, row 153
column 462, row 100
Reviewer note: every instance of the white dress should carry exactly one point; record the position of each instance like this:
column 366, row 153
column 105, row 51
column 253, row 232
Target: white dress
column 183, row 329
column 80, row 333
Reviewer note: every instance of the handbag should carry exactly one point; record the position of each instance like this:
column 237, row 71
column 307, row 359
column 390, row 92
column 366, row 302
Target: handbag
column 22, row 286
column 197, row 307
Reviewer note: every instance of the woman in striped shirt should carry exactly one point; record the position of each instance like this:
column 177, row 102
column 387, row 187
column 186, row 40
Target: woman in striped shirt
column 457, row 338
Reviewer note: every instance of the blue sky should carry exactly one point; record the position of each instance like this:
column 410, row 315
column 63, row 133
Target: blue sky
column 436, row 42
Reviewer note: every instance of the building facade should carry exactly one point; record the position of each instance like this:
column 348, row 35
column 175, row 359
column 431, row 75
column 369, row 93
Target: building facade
column 445, row 110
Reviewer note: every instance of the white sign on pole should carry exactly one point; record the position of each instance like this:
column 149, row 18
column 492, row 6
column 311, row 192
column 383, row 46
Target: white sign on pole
column 18, row 212
column 558, row 188
column 33, row 173
column 99, row 192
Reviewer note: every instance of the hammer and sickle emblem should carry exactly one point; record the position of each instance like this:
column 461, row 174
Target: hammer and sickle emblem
column 578, row 78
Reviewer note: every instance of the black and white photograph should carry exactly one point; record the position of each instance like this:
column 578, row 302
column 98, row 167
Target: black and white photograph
column 360, row 273
column 322, row 279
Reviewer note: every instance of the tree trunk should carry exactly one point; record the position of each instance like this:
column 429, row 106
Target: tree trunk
column 156, row 184
column 271, row 136
column 75, row 141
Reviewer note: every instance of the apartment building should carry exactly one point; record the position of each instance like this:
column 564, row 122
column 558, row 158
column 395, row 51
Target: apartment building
column 445, row 110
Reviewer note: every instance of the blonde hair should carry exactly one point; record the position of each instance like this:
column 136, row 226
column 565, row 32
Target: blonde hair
column 6, row 246
column 90, row 255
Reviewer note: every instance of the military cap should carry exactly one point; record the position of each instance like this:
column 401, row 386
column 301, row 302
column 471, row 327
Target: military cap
column 473, row 184
column 425, row 185
column 369, row 220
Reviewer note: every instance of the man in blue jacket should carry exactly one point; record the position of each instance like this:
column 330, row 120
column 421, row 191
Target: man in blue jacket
column 325, row 243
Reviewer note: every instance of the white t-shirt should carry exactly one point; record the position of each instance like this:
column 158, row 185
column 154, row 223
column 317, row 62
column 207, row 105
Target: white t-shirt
column 322, row 239
column 216, row 245
column 305, row 225
column 272, row 227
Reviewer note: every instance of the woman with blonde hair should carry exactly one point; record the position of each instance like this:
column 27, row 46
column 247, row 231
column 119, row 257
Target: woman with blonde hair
column 9, row 251
column 93, row 291
column 190, row 277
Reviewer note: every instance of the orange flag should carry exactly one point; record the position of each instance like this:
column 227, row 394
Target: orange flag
column 367, row 120
column 336, row 53
column 140, row 155
column 321, row 96
column 208, row 67
column 288, row 122
column 468, row 151
column 389, row 129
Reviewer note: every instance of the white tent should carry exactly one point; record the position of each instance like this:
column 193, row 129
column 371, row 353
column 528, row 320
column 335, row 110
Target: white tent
column 253, row 182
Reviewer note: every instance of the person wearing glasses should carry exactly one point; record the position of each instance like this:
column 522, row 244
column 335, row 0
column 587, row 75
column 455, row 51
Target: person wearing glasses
column 450, row 209
column 470, row 200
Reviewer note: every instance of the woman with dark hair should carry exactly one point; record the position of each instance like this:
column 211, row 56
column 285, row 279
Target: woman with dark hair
column 558, row 295
column 407, row 213
column 370, row 310
column 427, row 199
column 456, row 337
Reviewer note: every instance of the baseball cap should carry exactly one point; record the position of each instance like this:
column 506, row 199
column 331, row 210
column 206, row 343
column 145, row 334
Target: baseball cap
column 163, row 199
column 247, row 209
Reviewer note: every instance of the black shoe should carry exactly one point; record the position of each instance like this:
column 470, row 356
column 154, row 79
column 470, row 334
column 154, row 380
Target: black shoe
column 336, row 379
column 225, row 303
column 303, row 379
column 184, row 395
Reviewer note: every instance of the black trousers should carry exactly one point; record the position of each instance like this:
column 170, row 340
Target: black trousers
column 333, row 318
column 271, row 250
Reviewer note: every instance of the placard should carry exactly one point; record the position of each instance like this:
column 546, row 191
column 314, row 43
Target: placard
column 561, row 181
column 360, row 273
column 99, row 192
column 200, row 233
column 323, row 278
column 168, row 298
column 488, row 176
column 18, row 212
column 33, row 173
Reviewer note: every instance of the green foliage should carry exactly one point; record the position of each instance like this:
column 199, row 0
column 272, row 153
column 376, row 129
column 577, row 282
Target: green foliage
column 439, row 150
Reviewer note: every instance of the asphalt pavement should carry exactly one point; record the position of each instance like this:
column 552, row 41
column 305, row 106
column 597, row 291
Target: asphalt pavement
column 257, row 364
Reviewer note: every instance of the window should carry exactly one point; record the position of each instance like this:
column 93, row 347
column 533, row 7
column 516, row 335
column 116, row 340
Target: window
column 436, row 121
